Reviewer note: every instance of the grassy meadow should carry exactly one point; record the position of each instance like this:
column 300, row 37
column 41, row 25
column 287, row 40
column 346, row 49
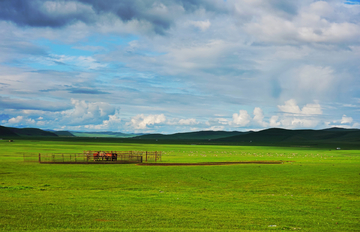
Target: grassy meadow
column 318, row 191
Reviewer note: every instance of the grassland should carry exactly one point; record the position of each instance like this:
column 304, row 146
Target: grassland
column 319, row 191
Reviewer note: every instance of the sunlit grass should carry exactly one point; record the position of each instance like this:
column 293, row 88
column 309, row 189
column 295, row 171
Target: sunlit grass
column 317, row 192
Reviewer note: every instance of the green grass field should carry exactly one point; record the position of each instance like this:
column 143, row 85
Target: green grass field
column 319, row 191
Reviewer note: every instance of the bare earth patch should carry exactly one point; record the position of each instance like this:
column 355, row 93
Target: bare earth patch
column 211, row 163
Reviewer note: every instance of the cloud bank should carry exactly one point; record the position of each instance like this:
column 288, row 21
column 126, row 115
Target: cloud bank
column 179, row 65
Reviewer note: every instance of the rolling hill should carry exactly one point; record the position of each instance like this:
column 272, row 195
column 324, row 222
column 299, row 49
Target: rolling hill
column 32, row 132
column 7, row 132
column 24, row 132
column 283, row 136
column 35, row 132
column 275, row 136
column 199, row 135
column 63, row 133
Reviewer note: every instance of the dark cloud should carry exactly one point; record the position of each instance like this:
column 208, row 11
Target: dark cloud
column 56, row 13
column 151, row 10
column 36, row 13
column 86, row 91
column 20, row 104
column 288, row 7
column 75, row 90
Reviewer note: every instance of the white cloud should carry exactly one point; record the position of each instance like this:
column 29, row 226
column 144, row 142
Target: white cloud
column 202, row 25
column 113, row 123
column 274, row 121
column 41, row 123
column 194, row 56
column 356, row 125
column 346, row 120
column 20, row 120
column 321, row 8
column 290, row 122
column 241, row 119
column 259, row 117
column 216, row 128
column 141, row 121
column 317, row 22
column 87, row 112
column 311, row 109
column 222, row 121
column 16, row 120
column 182, row 122
column 190, row 121
column 30, row 121
column 294, row 117
column 292, row 108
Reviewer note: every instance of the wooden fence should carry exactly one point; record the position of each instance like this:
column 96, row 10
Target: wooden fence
column 88, row 157
column 148, row 156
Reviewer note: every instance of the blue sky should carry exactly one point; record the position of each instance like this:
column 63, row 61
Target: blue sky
column 176, row 65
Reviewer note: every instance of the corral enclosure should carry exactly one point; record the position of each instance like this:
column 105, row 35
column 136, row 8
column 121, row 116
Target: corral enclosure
column 89, row 157
column 99, row 157
column 318, row 191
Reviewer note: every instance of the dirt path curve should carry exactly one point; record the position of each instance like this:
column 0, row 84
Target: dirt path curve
column 211, row 163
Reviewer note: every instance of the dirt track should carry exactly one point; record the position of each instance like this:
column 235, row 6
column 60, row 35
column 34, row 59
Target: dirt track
column 210, row 163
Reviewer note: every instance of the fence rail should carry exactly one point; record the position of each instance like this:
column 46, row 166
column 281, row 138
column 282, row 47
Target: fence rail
column 100, row 157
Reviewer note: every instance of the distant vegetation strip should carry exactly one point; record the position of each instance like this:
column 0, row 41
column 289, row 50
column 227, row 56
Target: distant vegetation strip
column 198, row 135
column 104, row 134
column 336, row 137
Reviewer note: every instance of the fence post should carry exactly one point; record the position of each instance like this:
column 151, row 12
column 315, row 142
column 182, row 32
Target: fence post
column 75, row 157
column 63, row 158
column 39, row 158
column 146, row 157
column 53, row 156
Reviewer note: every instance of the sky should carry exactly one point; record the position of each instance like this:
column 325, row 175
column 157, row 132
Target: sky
column 166, row 66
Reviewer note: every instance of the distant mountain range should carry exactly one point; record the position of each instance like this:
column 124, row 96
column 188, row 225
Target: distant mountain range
column 278, row 136
column 198, row 135
column 273, row 136
column 24, row 132
column 35, row 132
